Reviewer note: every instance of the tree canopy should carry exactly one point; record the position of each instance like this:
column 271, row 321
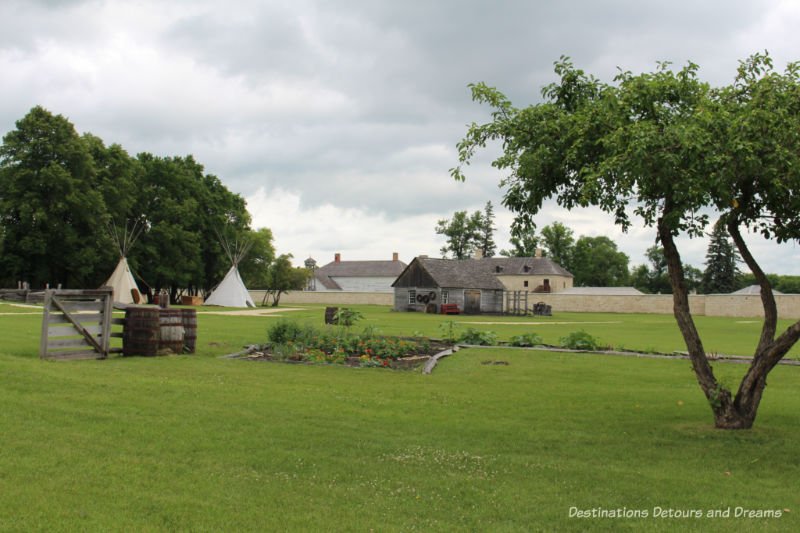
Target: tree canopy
column 61, row 192
column 558, row 241
column 596, row 262
column 664, row 146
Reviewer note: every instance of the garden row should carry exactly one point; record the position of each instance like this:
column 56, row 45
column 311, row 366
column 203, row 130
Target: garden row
column 290, row 341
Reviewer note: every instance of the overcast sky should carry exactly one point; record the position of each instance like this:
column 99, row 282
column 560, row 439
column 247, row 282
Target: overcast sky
column 337, row 120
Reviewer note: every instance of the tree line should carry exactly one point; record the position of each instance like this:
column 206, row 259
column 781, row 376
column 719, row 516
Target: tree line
column 66, row 198
column 598, row 262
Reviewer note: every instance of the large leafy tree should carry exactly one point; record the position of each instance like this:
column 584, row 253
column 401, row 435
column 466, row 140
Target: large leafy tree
column 461, row 233
column 523, row 244
column 664, row 146
column 282, row 277
column 596, row 262
column 653, row 277
column 62, row 196
column 52, row 213
column 254, row 268
column 188, row 214
column 558, row 241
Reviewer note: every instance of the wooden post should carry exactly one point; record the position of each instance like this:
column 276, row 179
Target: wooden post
column 108, row 310
column 45, row 323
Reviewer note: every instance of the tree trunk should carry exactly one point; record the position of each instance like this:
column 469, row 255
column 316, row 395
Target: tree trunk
column 770, row 350
column 726, row 414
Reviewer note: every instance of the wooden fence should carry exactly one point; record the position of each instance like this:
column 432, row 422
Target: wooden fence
column 76, row 324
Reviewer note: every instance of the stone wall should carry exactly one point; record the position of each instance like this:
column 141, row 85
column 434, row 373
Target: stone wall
column 517, row 282
column 700, row 304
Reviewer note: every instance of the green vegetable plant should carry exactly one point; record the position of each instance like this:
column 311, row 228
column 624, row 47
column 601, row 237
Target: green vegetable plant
column 580, row 340
column 448, row 328
column 525, row 339
column 478, row 337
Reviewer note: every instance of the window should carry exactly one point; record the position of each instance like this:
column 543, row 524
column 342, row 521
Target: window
column 526, row 269
column 412, row 296
column 444, row 297
column 525, row 284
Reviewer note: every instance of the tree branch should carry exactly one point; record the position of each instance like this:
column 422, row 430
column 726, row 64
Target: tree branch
column 767, row 298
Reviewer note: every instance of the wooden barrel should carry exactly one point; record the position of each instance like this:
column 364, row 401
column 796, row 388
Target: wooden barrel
column 189, row 317
column 330, row 315
column 170, row 332
column 141, row 330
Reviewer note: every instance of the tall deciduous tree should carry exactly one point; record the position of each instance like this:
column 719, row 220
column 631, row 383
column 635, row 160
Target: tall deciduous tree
column 460, row 232
column 52, row 212
column 524, row 244
column 663, row 145
column 283, row 277
column 722, row 269
column 558, row 241
column 596, row 262
column 254, row 268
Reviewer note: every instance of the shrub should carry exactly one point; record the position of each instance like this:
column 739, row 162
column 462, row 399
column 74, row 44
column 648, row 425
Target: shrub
column 476, row 336
column 580, row 340
column 526, row 339
column 284, row 331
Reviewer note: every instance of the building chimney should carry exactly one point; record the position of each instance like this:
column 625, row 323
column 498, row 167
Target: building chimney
column 478, row 254
column 337, row 258
column 538, row 253
column 395, row 257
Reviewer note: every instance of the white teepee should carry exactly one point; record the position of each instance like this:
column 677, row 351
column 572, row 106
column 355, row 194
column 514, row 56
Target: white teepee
column 231, row 291
column 122, row 282
column 121, row 279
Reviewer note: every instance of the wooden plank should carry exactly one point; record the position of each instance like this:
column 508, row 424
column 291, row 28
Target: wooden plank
column 73, row 355
column 82, row 305
column 118, row 334
column 118, row 321
column 68, row 330
column 60, row 344
column 83, row 318
column 80, row 328
column 83, row 292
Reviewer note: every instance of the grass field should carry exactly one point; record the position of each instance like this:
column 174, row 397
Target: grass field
column 196, row 443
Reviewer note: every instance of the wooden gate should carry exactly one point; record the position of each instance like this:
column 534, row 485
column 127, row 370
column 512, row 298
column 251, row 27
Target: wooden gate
column 472, row 302
column 76, row 324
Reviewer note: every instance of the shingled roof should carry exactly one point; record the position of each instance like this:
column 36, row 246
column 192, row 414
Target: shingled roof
column 537, row 266
column 467, row 273
column 480, row 273
column 353, row 269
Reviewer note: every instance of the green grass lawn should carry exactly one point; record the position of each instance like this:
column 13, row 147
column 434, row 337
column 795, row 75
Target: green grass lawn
column 199, row 443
